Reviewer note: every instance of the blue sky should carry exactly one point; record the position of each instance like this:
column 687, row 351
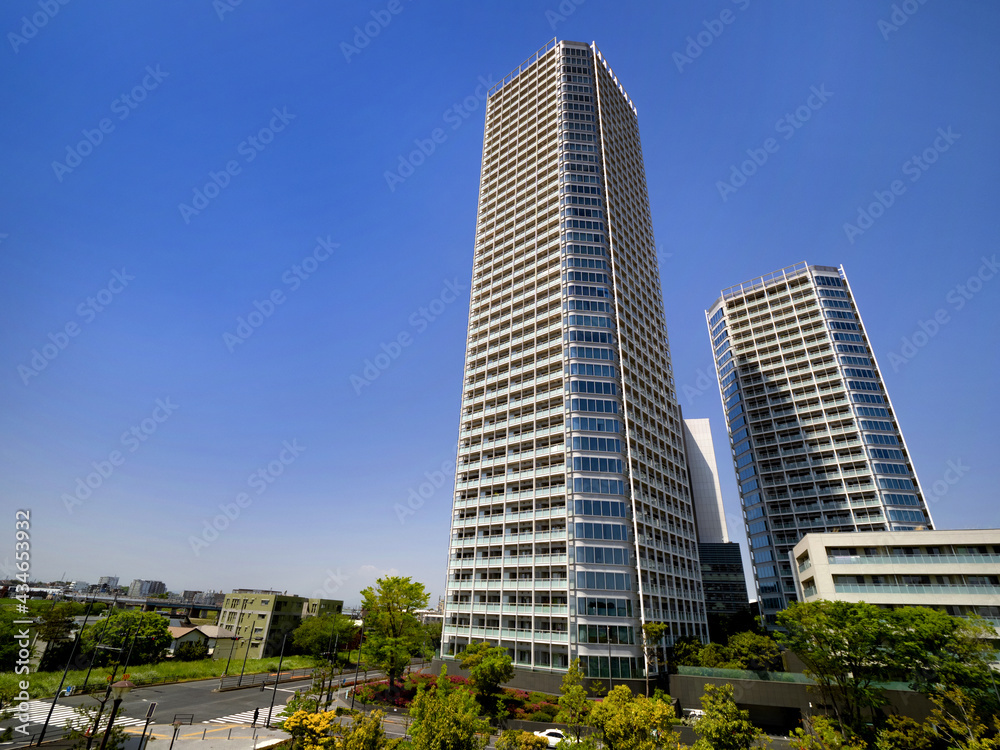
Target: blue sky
column 173, row 169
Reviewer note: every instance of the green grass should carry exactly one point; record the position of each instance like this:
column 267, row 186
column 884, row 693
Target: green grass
column 43, row 684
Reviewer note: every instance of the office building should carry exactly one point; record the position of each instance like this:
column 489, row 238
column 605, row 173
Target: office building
column 107, row 583
column 727, row 606
column 260, row 620
column 957, row 571
column 573, row 522
column 815, row 440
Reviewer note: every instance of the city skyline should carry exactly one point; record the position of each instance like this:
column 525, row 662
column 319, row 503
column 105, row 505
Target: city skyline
column 238, row 313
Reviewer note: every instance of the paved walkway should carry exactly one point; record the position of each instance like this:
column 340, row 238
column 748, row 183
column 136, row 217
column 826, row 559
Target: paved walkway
column 201, row 737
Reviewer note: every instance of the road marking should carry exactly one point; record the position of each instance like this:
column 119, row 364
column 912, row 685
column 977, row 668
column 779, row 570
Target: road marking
column 39, row 710
column 246, row 717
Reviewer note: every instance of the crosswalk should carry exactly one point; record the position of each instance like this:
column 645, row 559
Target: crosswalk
column 39, row 710
column 246, row 717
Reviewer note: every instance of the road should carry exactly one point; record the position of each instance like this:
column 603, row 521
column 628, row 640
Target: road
column 193, row 698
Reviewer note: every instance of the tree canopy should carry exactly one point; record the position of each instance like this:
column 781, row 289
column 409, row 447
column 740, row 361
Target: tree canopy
column 447, row 718
column 725, row 726
column 319, row 635
column 628, row 722
column 848, row 648
column 393, row 633
column 489, row 667
column 144, row 633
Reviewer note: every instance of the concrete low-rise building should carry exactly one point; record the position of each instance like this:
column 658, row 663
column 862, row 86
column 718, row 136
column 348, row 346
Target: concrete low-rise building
column 260, row 619
column 957, row 571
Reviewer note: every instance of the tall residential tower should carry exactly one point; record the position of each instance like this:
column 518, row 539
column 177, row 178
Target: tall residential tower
column 573, row 522
column 815, row 440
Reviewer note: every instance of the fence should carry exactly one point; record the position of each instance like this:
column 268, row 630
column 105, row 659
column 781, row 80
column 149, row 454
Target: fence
column 270, row 678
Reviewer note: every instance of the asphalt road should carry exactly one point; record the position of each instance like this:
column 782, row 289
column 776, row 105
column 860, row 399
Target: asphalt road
column 195, row 698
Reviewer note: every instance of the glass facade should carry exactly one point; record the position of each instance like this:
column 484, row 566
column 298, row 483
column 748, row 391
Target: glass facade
column 815, row 441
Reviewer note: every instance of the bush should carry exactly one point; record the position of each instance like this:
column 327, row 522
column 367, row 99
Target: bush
column 191, row 651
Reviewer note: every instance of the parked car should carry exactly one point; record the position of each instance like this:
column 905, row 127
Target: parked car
column 691, row 715
column 554, row 736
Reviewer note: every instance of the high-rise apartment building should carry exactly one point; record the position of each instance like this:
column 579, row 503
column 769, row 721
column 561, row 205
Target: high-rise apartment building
column 815, row 440
column 573, row 522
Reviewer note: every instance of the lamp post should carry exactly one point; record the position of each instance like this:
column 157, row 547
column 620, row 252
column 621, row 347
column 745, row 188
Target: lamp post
column 119, row 690
column 357, row 670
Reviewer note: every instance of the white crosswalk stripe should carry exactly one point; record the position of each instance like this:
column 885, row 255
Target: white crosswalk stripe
column 38, row 710
column 246, row 717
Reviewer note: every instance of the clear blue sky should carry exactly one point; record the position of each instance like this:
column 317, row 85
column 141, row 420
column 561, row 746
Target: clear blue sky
column 127, row 296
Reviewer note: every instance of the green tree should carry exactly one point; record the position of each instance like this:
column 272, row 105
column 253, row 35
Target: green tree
column 312, row 731
column 904, row 733
column 144, row 633
column 316, row 636
column 752, row 651
column 365, row 733
column 488, row 669
column 956, row 721
column 848, row 648
column 684, row 652
column 628, row 722
column 446, row 718
column 843, row 647
column 392, row 631
column 715, row 656
column 934, row 651
column 725, row 726
column 574, row 706
column 825, row 735
column 191, row 651
column 652, row 634
column 513, row 739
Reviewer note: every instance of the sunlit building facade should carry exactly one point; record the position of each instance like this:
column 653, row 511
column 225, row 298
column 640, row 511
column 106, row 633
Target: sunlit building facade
column 573, row 521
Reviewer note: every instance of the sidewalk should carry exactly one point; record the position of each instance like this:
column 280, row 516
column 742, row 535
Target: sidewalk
column 206, row 737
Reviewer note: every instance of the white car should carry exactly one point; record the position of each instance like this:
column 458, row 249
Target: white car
column 691, row 715
column 554, row 736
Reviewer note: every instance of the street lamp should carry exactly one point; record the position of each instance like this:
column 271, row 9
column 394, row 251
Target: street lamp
column 118, row 690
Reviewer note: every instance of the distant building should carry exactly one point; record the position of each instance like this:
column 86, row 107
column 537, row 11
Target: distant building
column 107, row 583
column 260, row 620
column 727, row 606
column 139, row 587
column 954, row 571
